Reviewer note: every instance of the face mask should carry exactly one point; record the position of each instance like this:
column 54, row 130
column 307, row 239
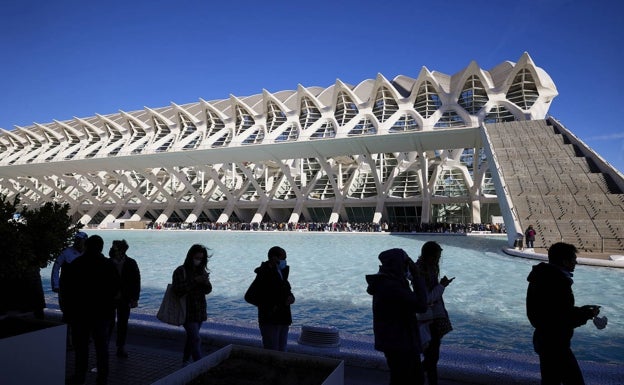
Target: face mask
column 282, row 264
column 196, row 262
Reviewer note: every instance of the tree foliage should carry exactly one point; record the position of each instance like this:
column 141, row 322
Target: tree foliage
column 33, row 238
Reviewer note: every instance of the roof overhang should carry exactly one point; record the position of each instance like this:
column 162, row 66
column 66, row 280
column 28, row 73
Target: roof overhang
column 450, row 138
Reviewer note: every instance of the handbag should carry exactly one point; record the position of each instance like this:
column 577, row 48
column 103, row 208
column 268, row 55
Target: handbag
column 442, row 326
column 172, row 308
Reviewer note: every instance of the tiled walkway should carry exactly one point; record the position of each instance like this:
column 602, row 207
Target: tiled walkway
column 155, row 351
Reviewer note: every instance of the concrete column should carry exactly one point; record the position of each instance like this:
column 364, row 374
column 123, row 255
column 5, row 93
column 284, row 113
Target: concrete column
column 476, row 211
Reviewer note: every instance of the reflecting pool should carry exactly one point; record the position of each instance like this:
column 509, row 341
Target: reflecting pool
column 485, row 301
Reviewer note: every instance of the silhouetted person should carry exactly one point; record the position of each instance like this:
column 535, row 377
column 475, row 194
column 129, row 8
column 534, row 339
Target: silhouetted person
column 429, row 268
column 67, row 256
column 551, row 310
column 89, row 285
column 128, row 296
column 395, row 305
column 271, row 293
column 192, row 280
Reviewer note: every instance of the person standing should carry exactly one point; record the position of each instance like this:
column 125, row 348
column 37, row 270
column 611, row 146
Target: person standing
column 192, row 280
column 395, row 305
column 128, row 296
column 88, row 287
column 552, row 312
column 428, row 265
column 67, row 256
column 530, row 234
column 271, row 293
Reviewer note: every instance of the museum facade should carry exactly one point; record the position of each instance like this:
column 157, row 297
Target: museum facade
column 406, row 150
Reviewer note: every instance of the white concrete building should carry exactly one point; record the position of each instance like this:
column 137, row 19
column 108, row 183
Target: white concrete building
column 406, row 150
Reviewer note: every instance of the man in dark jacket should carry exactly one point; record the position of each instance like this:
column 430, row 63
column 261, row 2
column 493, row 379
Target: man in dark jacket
column 89, row 285
column 395, row 305
column 271, row 293
column 128, row 296
column 551, row 310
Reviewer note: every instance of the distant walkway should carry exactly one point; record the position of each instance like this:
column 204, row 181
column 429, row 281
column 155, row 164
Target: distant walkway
column 584, row 258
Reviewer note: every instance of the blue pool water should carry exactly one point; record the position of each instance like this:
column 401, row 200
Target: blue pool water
column 485, row 302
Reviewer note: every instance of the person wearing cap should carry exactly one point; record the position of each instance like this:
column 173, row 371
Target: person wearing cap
column 67, row 256
column 439, row 324
column 395, row 304
column 551, row 310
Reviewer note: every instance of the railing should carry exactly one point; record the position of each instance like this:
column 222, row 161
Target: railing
column 618, row 240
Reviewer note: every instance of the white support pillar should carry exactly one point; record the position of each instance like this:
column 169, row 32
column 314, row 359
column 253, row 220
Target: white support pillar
column 476, row 211
column 294, row 217
column 425, row 215
column 85, row 219
column 296, row 213
column 378, row 209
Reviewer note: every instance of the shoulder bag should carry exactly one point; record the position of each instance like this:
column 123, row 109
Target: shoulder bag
column 172, row 308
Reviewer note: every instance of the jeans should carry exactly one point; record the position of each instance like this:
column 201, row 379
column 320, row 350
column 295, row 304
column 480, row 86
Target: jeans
column 192, row 345
column 274, row 336
column 82, row 331
column 432, row 356
column 558, row 365
column 405, row 368
column 122, row 314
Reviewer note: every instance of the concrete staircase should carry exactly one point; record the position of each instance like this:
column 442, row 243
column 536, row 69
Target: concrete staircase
column 556, row 184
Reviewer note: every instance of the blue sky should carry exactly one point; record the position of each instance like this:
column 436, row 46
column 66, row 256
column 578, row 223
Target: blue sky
column 62, row 59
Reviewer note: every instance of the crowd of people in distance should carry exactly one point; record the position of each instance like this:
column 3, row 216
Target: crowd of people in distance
column 438, row 227
column 410, row 318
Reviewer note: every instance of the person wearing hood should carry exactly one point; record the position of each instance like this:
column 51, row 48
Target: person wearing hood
column 395, row 305
column 551, row 310
column 270, row 291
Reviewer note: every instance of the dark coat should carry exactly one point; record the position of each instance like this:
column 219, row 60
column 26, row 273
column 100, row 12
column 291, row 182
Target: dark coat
column 395, row 306
column 183, row 282
column 88, row 286
column 269, row 292
column 130, row 279
column 550, row 306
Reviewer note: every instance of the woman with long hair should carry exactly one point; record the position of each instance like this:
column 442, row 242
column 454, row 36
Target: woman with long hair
column 428, row 265
column 192, row 280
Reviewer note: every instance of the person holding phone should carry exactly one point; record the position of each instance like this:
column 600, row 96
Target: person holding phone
column 192, row 279
column 428, row 265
